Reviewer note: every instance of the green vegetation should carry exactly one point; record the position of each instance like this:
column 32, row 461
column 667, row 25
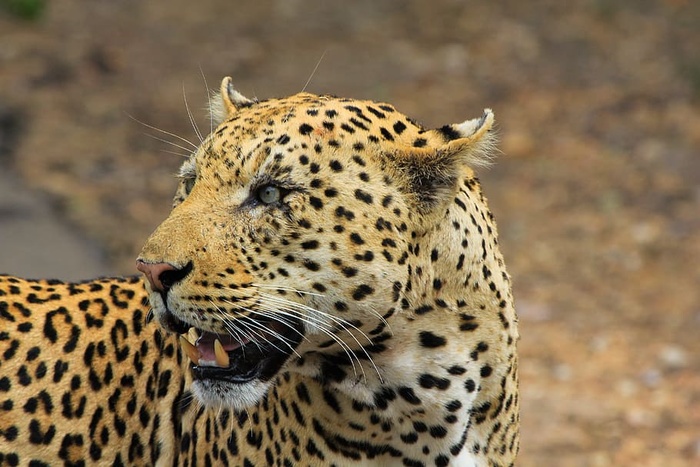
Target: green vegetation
column 25, row 9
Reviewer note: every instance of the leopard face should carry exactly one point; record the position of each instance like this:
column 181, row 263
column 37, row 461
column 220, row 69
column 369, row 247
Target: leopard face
column 339, row 240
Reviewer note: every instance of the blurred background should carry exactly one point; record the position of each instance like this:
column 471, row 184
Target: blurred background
column 597, row 189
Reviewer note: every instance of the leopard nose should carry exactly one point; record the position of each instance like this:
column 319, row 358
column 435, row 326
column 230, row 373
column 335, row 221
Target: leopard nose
column 163, row 276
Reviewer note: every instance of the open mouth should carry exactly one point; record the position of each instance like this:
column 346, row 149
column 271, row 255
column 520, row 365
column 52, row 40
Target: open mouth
column 256, row 353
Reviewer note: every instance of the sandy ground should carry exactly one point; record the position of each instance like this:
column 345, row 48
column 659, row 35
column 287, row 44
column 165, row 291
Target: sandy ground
column 597, row 189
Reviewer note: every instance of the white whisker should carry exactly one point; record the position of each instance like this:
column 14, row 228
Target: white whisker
column 314, row 71
column 191, row 117
column 184, row 140
column 162, row 140
column 206, row 86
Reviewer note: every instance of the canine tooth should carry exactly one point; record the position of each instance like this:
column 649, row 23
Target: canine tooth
column 221, row 356
column 193, row 335
column 190, row 350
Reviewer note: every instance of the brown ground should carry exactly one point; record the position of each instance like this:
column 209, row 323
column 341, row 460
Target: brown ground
column 597, row 190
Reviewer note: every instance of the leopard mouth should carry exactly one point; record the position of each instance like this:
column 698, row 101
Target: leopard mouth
column 241, row 357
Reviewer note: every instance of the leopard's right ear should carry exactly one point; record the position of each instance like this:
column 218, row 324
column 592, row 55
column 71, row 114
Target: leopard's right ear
column 225, row 103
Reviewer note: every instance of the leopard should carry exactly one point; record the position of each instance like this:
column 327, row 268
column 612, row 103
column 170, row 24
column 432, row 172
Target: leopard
column 328, row 289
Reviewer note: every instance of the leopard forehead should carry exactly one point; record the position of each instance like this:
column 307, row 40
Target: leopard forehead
column 322, row 134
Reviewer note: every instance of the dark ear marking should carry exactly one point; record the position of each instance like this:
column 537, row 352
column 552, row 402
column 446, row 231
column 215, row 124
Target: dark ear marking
column 449, row 133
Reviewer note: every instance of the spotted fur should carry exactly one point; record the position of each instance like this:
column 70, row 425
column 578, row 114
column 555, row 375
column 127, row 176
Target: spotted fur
column 347, row 260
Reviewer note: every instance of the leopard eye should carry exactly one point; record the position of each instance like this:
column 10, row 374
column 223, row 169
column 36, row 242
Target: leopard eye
column 269, row 194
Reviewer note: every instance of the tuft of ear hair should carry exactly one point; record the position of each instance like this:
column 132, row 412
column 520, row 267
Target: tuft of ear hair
column 474, row 140
column 227, row 101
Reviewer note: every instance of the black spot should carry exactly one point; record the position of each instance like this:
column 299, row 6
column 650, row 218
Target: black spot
column 442, row 461
column 37, row 436
column 434, row 255
column 356, row 239
column 438, row 431
column 385, row 133
column 316, row 202
column 284, row 139
column 367, row 256
column 429, row 381
column 347, row 128
column 332, row 402
column 486, row 371
column 399, row 127
column 419, row 142
column 430, row 340
column 375, row 112
column 423, row 309
column 340, row 211
column 311, row 265
column 11, row 350
column 305, row 129
column 363, row 196
column 349, row 271
column 310, row 245
column 470, row 385
column 383, row 397
column 420, row 427
column 468, row 323
column 357, row 159
column 303, row 393
column 358, row 124
column 362, row 291
column 335, row 166
column 453, row 406
column 408, row 395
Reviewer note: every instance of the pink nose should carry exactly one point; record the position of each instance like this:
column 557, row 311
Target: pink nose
column 162, row 276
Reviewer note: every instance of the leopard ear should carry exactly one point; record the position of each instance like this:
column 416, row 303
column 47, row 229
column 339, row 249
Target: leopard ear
column 225, row 103
column 434, row 170
column 472, row 141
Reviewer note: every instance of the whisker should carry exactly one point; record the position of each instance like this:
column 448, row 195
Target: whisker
column 191, row 117
column 314, row 71
column 162, row 140
column 184, row 140
column 342, row 323
column 286, row 289
column 179, row 154
column 206, row 86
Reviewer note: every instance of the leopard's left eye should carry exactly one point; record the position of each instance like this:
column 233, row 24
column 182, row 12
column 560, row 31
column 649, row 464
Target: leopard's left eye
column 269, row 194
